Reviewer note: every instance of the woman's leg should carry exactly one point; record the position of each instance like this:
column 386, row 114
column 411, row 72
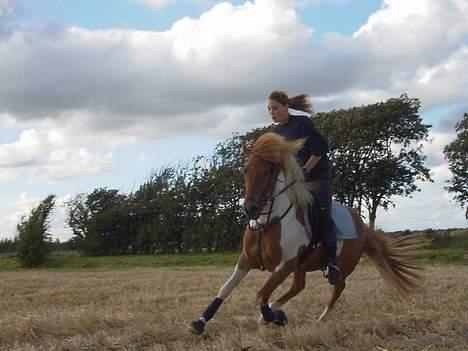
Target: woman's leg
column 326, row 227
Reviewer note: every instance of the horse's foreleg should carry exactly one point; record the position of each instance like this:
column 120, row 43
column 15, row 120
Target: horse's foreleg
column 337, row 290
column 297, row 286
column 198, row 326
column 263, row 295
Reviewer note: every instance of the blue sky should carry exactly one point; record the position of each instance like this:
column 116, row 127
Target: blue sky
column 343, row 17
column 100, row 93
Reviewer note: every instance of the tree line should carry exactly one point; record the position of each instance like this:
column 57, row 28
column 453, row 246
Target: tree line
column 376, row 152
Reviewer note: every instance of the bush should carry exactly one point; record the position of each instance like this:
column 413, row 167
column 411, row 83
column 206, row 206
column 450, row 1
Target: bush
column 33, row 237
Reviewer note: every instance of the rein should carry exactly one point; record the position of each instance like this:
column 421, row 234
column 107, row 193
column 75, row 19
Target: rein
column 262, row 227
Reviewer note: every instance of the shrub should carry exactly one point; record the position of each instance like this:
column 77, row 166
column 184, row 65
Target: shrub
column 33, row 236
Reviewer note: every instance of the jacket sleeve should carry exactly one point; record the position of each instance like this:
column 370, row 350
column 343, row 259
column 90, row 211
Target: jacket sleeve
column 316, row 143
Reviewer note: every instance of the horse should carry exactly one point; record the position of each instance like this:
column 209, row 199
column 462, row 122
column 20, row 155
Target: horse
column 277, row 238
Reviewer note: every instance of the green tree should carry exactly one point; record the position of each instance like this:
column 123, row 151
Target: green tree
column 100, row 222
column 8, row 245
column 33, row 234
column 146, row 212
column 457, row 154
column 376, row 151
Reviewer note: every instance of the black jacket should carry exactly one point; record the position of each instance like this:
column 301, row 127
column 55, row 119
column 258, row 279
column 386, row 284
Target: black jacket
column 299, row 127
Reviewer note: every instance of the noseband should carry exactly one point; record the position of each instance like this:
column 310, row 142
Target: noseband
column 268, row 196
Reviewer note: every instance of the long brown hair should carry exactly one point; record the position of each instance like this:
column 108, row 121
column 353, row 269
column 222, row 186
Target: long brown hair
column 299, row 102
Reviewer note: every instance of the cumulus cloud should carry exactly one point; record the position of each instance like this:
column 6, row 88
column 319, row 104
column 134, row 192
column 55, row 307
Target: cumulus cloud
column 430, row 208
column 229, row 57
column 12, row 212
column 76, row 90
column 45, row 156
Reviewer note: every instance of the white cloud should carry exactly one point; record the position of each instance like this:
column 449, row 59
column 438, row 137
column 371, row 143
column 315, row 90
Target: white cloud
column 142, row 156
column 118, row 81
column 45, row 156
column 6, row 8
column 156, row 4
column 434, row 149
column 78, row 93
column 432, row 207
column 12, row 212
column 69, row 163
column 122, row 78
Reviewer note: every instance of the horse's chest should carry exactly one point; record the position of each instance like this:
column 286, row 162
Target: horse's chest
column 293, row 236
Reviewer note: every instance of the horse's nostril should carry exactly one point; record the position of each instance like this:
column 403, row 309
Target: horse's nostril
column 251, row 212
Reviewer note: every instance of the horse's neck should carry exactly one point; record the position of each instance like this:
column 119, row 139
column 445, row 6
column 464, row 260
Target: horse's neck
column 282, row 202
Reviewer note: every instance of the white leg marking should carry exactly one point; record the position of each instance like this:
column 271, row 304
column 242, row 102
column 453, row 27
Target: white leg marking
column 232, row 282
column 323, row 315
column 275, row 306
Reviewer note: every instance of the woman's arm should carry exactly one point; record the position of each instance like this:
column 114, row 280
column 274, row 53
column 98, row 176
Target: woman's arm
column 311, row 162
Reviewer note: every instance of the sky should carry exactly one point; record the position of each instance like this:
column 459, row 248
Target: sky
column 101, row 93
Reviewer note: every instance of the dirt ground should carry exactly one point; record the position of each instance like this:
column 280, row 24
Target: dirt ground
column 149, row 309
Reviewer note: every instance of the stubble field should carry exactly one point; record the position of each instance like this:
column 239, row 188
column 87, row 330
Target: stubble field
column 148, row 309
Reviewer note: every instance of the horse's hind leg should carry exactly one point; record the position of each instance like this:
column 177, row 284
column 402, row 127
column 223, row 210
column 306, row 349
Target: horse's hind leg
column 297, row 286
column 337, row 290
column 241, row 270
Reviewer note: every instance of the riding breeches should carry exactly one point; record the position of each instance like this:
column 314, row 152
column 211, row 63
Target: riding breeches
column 321, row 190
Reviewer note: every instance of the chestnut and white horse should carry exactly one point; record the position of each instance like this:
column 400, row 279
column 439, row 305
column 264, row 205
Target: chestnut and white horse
column 277, row 238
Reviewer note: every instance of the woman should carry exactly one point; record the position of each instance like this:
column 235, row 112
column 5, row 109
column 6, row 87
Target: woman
column 314, row 160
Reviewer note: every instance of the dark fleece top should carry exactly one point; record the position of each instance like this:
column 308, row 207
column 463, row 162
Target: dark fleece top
column 302, row 127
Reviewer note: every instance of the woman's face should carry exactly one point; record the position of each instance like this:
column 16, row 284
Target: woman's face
column 279, row 113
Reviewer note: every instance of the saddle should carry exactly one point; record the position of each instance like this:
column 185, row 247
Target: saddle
column 342, row 222
column 343, row 226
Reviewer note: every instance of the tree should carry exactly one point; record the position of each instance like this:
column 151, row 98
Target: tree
column 8, row 245
column 376, row 151
column 33, row 236
column 457, row 154
column 100, row 221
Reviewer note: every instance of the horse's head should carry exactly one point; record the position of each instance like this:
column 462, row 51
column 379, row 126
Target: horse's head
column 260, row 179
column 265, row 160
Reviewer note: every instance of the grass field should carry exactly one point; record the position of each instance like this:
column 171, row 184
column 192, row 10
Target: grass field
column 74, row 262
column 148, row 309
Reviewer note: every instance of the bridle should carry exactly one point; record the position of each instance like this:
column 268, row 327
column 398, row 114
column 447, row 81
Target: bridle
column 268, row 196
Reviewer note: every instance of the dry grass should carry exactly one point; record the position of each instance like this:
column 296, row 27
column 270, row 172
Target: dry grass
column 148, row 309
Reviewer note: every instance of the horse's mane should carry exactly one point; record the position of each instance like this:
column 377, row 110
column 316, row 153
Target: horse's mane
column 272, row 147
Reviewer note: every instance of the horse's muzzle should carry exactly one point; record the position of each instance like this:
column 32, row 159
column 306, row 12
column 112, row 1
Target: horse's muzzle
column 251, row 209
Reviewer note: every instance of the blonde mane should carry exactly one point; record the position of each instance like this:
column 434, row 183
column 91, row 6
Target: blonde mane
column 272, row 147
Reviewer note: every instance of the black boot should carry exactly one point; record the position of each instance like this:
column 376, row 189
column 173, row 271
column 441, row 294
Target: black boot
column 333, row 273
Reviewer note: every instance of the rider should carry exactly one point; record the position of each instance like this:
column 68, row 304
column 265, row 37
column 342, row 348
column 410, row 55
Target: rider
column 314, row 160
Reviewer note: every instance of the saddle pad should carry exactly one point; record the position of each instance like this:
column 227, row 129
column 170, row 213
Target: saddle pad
column 344, row 222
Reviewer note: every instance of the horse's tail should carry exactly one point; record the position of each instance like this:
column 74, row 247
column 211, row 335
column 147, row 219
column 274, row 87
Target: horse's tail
column 394, row 260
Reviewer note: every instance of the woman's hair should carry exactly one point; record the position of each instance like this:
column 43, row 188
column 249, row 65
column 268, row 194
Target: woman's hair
column 299, row 102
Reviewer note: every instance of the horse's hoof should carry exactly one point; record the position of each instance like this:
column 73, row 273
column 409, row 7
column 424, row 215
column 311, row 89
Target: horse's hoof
column 197, row 327
column 280, row 318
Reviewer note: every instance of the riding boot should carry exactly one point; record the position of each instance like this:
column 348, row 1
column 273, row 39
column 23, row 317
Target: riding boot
column 333, row 274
